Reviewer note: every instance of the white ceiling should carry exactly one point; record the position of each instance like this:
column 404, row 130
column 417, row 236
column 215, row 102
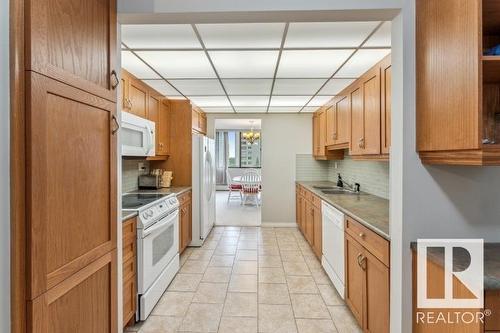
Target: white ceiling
column 254, row 67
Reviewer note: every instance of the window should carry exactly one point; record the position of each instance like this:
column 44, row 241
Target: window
column 239, row 152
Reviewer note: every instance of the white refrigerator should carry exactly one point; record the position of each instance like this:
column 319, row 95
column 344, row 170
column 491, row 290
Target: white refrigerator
column 203, row 188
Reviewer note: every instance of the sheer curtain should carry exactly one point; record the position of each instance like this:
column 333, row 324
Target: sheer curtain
column 221, row 152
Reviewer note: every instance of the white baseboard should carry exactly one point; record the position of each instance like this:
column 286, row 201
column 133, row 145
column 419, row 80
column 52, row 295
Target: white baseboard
column 279, row 224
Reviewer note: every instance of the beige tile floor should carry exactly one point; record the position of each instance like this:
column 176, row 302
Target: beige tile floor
column 250, row 279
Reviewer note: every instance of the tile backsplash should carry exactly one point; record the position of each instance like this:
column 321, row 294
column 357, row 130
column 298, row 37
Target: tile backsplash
column 373, row 176
column 130, row 174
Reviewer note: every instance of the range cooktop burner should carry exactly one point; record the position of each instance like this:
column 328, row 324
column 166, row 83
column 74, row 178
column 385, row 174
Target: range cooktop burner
column 137, row 200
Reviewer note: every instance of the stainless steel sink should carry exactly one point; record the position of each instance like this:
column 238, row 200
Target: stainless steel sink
column 325, row 187
column 340, row 191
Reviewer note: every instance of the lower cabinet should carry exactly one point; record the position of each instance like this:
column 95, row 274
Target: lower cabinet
column 309, row 221
column 129, row 257
column 185, row 220
column 367, row 278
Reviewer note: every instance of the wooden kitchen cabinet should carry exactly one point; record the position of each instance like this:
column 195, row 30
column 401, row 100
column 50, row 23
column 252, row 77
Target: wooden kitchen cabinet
column 338, row 123
column 320, row 140
column 153, row 114
column 309, row 219
column 367, row 277
column 129, row 267
column 199, row 120
column 163, row 133
column 457, row 87
column 366, row 128
column 64, row 109
column 185, row 221
column 138, row 98
column 386, row 104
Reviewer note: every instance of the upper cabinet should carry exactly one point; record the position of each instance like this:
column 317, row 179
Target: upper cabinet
column 199, row 121
column 358, row 118
column 458, row 86
column 320, row 137
column 74, row 42
column 141, row 100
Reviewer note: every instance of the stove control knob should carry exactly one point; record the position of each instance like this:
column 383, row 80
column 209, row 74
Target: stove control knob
column 150, row 212
column 145, row 215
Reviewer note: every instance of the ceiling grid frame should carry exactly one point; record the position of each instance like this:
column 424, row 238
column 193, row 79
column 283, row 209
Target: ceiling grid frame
column 273, row 80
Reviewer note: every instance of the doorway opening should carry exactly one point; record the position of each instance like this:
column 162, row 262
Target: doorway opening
column 238, row 163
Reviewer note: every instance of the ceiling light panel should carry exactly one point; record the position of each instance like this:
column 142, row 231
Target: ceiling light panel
column 328, row 34
column 241, row 101
column 381, row 38
column 242, row 35
column 284, row 109
column 218, row 109
column 199, row 87
column 289, row 100
column 319, row 101
column 244, row 64
column 311, row 63
column 362, row 61
column 162, row 87
column 297, row 86
column 210, row 101
column 179, row 64
column 135, row 66
column 335, row 86
column 159, row 36
column 251, row 109
column 248, row 86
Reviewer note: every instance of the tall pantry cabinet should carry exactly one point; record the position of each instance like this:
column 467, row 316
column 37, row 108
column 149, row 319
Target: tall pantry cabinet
column 69, row 113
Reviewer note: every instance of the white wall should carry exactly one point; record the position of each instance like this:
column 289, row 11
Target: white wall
column 4, row 170
column 283, row 136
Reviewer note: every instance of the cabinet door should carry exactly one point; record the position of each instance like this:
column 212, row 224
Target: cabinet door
column 376, row 302
column 154, row 116
column 203, row 123
column 322, row 132
column 74, row 42
column 355, row 277
column 124, row 85
column 71, row 165
column 138, row 97
column 357, row 121
column 331, row 125
column 309, row 223
column 317, row 232
column 85, row 302
column 195, row 122
column 303, row 217
column 386, row 91
column 315, row 121
column 371, row 112
column 163, row 133
column 343, row 115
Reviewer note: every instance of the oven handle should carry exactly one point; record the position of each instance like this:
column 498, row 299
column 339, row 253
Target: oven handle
column 160, row 225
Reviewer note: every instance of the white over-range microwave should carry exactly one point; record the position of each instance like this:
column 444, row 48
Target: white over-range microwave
column 137, row 136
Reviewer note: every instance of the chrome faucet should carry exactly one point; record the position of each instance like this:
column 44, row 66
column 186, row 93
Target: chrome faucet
column 353, row 188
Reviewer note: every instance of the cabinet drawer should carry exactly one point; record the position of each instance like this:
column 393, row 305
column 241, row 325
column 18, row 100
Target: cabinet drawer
column 375, row 244
column 184, row 197
column 129, row 268
column 129, row 228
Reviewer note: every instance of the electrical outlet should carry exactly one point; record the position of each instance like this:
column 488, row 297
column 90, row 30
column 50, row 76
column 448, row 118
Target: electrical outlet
column 141, row 166
column 336, row 165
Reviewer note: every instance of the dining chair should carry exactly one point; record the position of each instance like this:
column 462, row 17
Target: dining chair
column 233, row 187
column 250, row 182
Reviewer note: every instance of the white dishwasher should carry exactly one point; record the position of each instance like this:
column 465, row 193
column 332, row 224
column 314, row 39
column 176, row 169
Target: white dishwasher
column 333, row 246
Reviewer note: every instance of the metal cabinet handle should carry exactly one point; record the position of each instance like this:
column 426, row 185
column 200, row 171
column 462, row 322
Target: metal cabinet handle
column 361, row 235
column 362, row 261
column 116, row 123
column 129, row 103
column 114, row 80
column 361, row 143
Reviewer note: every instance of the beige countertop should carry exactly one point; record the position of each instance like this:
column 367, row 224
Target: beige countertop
column 177, row 190
column 370, row 210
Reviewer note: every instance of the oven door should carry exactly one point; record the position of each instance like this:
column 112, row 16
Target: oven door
column 157, row 246
column 137, row 136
